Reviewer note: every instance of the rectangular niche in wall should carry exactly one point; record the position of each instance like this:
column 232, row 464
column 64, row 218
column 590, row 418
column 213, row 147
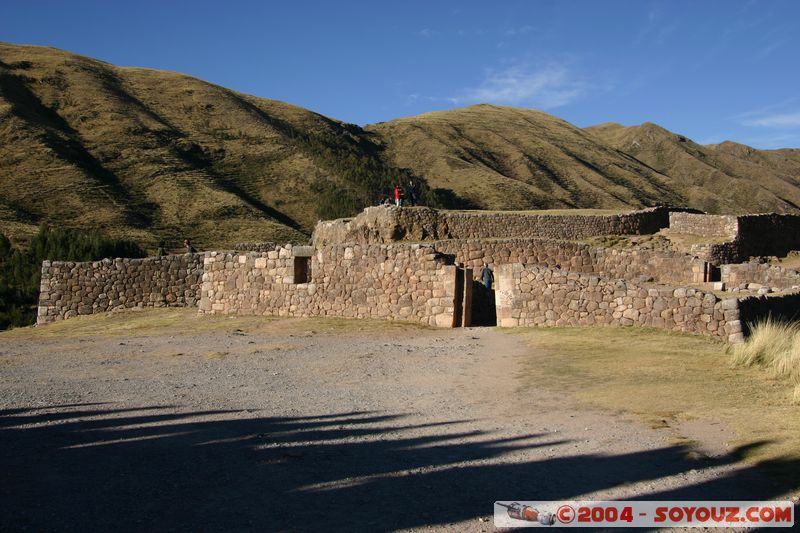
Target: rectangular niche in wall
column 302, row 269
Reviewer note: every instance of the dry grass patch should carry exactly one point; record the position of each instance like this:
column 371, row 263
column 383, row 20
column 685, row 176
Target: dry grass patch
column 792, row 260
column 775, row 346
column 265, row 348
column 138, row 322
column 687, row 239
column 666, row 379
column 350, row 325
column 215, row 356
column 178, row 321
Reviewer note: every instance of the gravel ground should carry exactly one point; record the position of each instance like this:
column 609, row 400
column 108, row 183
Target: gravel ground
column 286, row 428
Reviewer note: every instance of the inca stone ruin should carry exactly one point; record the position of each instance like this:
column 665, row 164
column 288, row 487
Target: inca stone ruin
column 422, row 265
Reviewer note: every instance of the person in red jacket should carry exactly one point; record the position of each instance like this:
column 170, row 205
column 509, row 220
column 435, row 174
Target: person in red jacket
column 397, row 195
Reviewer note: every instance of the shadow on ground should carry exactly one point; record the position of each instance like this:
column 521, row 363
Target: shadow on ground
column 93, row 467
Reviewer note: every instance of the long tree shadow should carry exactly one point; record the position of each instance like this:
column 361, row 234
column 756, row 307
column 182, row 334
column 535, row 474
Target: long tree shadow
column 96, row 467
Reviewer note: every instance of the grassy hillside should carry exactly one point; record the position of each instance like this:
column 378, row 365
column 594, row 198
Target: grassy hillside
column 148, row 154
column 505, row 158
column 720, row 178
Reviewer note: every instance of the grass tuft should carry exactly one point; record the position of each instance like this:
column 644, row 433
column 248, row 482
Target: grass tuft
column 775, row 346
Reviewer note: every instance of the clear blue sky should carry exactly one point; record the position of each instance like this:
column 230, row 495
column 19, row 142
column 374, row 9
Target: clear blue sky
column 711, row 70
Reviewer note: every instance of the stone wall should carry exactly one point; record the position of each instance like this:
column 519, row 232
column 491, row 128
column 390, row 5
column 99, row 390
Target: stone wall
column 711, row 226
column 747, row 235
column 398, row 282
column 720, row 253
column 623, row 263
column 415, row 282
column 542, row 296
column 392, row 224
column 83, row 288
column 255, row 246
column 769, row 234
column 476, row 225
column 761, row 273
column 756, row 308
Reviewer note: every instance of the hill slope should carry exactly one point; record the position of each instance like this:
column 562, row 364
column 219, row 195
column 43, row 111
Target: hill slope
column 149, row 154
column 726, row 177
column 505, row 158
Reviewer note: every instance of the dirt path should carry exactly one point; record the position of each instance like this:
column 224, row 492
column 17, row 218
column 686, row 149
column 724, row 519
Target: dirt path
column 292, row 427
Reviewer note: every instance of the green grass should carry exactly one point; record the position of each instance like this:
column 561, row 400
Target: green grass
column 664, row 379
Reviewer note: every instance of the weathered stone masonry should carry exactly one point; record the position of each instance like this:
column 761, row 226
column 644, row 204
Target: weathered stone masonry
column 623, row 263
column 741, row 236
column 540, row 281
column 713, row 226
column 69, row 289
column 403, row 282
column 542, row 296
column 760, row 273
column 392, row 224
column 396, row 281
column 256, row 282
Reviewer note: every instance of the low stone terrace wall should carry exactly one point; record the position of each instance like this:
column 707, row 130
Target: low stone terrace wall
column 83, row 288
column 392, row 224
column 623, row 263
column 399, row 282
column 543, row 296
column 761, row 273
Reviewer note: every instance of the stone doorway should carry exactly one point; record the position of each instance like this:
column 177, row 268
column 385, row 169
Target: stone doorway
column 474, row 303
column 484, row 310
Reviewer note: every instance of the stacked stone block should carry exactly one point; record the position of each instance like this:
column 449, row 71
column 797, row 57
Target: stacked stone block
column 397, row 282
column 74, row 288
column 760, row 273
column 472, row 225
column 392, row 224
column 379, row 275
column 254, row 246
column 625, row 263
column 769, row 234
column 543, row 296
column 712, row 226
column 745, row 236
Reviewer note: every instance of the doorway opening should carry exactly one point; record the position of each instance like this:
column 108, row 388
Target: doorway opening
column 474, row 303
column 484, row 309
column 301, row 269
column 711, row 272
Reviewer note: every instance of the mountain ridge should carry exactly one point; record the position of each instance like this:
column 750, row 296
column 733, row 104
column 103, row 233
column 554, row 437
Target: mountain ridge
column 150, row 155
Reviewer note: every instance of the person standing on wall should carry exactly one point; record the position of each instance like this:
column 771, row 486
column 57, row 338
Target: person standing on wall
column 397, row 195
column 487, row 276
column 189, row 248
column 412, row 193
